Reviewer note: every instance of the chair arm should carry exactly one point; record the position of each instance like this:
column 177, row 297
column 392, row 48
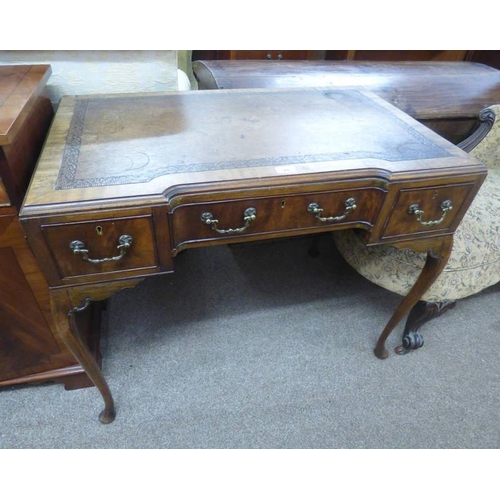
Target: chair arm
column 486, row 120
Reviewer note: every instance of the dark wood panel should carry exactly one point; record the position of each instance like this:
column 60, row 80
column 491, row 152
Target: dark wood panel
column 489, row 57
column 26, row 340
column 333, row 55
column 276, row 55
column 407, row 55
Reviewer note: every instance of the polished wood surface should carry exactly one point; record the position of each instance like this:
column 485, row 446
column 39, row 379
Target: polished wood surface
column 30, row 349
column 20, row 88
column 277, row 214
column 173, row 171
column 445, row 96
column 23, row 107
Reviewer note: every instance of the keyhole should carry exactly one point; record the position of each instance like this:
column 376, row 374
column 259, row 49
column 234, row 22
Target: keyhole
column 99, row 230
column 283, row 203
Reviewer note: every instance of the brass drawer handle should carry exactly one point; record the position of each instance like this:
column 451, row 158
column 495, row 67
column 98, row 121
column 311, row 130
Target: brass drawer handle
column 316, row 210
column 124, row 243
column 249, row 215
column 446, row 206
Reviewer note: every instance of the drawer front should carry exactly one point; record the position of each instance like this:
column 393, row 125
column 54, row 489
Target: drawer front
column 102, row 246
column 228, row 219
column 434, row 209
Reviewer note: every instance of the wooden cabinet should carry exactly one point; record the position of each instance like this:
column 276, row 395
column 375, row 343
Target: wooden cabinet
column 276, row 55
column 396, row 55
column 30, row 351
column 334, row 55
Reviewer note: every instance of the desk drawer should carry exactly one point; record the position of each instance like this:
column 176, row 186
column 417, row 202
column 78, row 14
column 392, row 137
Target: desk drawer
column 434, row 209
column 102, row 246
column 227, row 219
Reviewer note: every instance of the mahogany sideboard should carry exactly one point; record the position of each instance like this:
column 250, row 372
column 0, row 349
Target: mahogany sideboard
column 30, row 349
column 125, row 183
column 446, row 96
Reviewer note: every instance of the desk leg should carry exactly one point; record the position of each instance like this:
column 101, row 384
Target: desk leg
column 63, row 311
column 437, row 257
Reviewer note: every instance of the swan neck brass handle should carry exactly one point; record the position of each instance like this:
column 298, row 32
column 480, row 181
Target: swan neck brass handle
column 414, row 209
column 316, row 210
column 124, row 243
column 249, row 215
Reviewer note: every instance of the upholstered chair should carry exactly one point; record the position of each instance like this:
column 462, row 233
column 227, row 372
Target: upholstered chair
column 474, row 264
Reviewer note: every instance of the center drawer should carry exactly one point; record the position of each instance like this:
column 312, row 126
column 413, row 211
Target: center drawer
column 236, row 218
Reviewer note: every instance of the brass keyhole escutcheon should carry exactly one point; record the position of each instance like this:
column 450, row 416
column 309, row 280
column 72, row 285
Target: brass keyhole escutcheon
column 99, row 230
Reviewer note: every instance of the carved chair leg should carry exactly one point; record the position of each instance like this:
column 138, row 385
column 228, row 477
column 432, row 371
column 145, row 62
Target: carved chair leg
column 437, row 258
column 421, row 313
column 63, row 311
column 314, row 248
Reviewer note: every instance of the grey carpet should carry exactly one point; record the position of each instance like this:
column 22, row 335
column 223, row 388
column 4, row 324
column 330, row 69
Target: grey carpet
column 263, row 346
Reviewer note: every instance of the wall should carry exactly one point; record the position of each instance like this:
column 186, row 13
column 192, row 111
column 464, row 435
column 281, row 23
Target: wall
column 77, row 72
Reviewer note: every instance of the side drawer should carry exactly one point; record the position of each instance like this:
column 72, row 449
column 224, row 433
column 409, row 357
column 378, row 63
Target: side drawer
column 427, row 209
column 289, row 213
column 102, row 246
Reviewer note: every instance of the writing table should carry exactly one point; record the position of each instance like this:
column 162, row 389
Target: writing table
column 127, row 182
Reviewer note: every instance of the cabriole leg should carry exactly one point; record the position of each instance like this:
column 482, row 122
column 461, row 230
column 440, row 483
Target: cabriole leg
column 437, row 257
column 64, row 310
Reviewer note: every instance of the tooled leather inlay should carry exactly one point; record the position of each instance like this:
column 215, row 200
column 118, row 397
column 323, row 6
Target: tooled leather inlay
column 127, row 140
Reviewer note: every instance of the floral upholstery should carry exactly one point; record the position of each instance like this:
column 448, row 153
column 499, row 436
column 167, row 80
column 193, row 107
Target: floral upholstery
column 474, row 263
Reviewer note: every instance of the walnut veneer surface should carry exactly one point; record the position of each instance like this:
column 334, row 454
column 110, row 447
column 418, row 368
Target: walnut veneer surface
column 125, row 183
column 30, row 349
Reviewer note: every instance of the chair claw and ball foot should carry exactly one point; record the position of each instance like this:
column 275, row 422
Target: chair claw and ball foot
column 411, row 341
column 107, row 415
column 421, row 313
